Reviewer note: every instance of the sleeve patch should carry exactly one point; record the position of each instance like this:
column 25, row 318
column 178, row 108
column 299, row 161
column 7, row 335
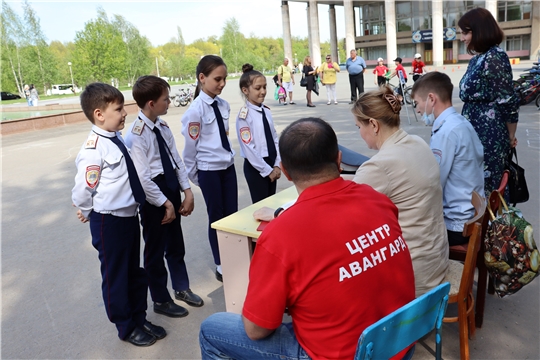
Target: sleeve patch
column 245, row 135
column 92, row 175
column 194, row 130
column 91, row 142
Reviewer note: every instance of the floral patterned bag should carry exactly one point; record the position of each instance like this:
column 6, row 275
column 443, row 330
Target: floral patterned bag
column 511, row 255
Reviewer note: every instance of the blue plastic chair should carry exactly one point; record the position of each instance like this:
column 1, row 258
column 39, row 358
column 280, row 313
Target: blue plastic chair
column 396, row 331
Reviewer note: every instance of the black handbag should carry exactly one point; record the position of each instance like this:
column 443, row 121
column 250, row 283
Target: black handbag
column 303, row 81
column 517, row 185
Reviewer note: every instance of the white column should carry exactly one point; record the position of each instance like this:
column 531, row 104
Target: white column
column 391, row 35
column 287, row 42
column 315, row 38
column 491, row 6
column 333, row 34
column 350, row 41
column 438, row 54
column 535, row 33
column 310, row 39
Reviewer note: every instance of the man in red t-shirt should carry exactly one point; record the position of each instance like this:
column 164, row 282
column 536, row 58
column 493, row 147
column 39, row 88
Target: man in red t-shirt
column 335, row 261
column 402, row 76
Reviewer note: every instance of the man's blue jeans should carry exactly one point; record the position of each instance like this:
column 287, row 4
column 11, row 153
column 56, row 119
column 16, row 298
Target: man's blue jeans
column 222, row 336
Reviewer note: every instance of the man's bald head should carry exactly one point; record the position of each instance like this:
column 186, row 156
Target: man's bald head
column 309, row 149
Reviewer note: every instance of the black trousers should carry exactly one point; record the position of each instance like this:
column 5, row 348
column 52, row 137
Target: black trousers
column 381, row 80
column 259, row 187
column 456, row 238
column 124, row 284
column 220, row 192
column 165, row 240
column 357, row 83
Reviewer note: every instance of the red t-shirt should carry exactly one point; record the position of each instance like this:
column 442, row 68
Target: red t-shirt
column 337, row 261
column 380, row 70
column 418, row 66
column 399, row 68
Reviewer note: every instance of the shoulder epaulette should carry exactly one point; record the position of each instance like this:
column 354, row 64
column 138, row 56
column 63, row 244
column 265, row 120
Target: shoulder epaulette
column 243, row 112
column 91, row 142
column 266, row 107
column 164, row 123
column 138, row 127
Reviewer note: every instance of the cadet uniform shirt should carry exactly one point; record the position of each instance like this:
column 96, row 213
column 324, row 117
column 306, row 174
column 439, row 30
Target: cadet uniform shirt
column 460, row 155
column 146, row 157
column 252, row 139
column 102, row 181
column 203, row 149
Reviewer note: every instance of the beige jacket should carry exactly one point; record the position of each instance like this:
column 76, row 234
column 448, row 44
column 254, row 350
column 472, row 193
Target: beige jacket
column 406, row 171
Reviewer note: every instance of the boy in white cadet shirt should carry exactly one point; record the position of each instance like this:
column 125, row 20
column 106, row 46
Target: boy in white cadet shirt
column 163, row 177
column 108, row 193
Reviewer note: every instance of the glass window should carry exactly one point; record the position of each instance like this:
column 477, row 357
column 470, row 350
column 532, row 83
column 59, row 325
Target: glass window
column 514, row 10
column 406, row 50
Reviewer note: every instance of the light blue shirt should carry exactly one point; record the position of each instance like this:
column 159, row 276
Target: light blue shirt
column 356, row 66
column 460, row 155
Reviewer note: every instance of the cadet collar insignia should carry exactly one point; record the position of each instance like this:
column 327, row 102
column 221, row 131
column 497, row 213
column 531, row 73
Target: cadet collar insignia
column 138, row 127
column 164, row 123
column 92, row 140
column 92, row 175
column 245, row 135
column 243, row 112
column 194, row 130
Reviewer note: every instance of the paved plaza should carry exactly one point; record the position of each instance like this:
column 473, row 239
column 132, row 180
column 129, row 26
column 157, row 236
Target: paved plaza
column 51, row 297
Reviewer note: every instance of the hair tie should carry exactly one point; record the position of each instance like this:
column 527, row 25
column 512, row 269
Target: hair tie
column 393, row 101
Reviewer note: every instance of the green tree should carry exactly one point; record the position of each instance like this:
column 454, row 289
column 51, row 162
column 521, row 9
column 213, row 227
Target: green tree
column 233, row 45
column 39, row 60
column 100, row 52
column 137, row 47
column 12, row 40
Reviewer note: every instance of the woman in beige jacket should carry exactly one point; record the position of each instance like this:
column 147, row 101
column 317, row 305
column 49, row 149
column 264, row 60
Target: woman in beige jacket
column 406, row 171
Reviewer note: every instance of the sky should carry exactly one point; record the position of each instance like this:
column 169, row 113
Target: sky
column 158, row 20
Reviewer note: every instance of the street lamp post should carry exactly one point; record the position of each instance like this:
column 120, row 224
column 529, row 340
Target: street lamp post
column 71, row 73
column 157, row 67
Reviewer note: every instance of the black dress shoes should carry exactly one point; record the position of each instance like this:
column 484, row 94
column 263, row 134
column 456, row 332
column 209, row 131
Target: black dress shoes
column 189, row 298
column 156, row 331
column 219, row 276
column 170, row 309
column 139, row 337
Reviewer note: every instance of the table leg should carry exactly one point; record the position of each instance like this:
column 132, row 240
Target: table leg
column 235, row 252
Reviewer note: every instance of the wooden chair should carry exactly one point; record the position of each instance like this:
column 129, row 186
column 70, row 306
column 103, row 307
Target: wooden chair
column 396, row 331
column 458, row 252
column 461, row 277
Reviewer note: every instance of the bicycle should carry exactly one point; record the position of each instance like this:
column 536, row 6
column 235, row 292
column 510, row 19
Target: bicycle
column 528, row 91
column 406, row 91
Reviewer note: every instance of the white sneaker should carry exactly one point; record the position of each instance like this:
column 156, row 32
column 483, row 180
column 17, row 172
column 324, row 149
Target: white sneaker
column 328, row 103
column 335, row 102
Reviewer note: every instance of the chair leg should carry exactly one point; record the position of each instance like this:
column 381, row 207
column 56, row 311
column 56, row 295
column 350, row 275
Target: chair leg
column 491, row 287
column 463, row 330
column 481, row 294
column 471, row 316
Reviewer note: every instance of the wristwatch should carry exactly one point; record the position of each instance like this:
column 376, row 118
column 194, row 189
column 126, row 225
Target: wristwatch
column 277, row 212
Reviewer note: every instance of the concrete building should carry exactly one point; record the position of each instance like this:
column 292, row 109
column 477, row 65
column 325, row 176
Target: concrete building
column 390, row 28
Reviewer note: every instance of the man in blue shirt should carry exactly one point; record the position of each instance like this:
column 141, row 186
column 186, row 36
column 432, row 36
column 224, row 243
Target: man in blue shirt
column 456, row 147
column 356, row 66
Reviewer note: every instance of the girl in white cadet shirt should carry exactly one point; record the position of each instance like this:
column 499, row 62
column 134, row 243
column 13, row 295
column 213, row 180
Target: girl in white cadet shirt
column 208, row 154
column 257, row 136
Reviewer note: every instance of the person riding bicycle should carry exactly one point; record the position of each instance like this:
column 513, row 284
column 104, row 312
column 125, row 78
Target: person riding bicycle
column 419, row 68
column 400, row 70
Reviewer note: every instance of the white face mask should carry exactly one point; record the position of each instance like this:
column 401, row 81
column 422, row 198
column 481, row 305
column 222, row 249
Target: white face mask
column 428, row 119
